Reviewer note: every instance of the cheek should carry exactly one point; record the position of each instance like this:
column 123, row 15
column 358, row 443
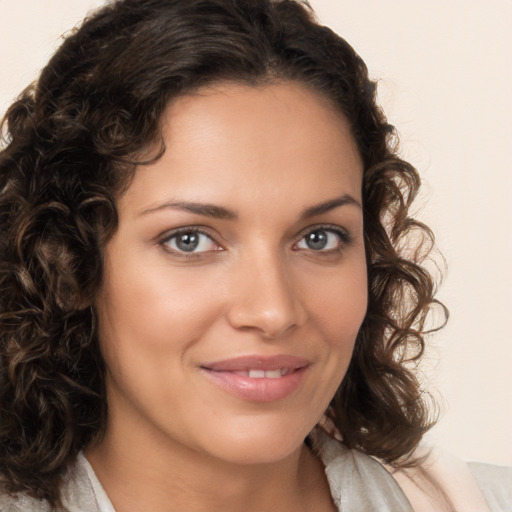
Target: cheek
column 148, row 321
column 339, row 306
column 153, row 307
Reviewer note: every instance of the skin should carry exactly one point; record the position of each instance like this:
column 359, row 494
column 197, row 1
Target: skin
column 176, row 440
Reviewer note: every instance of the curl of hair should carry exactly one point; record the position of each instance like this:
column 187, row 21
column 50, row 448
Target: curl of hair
column 72, row 143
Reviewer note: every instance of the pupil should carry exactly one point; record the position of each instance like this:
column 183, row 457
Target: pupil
column 317, row 240
column 187, row 242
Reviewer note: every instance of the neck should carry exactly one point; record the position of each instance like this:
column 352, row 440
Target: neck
column 157, row 474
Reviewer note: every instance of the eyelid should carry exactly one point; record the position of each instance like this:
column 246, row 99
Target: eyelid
column 343, row 233
column 164, row 239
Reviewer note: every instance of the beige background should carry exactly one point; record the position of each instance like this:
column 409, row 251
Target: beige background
column 445, row 73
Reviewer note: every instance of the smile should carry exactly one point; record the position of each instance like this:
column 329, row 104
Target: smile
column 258, row 379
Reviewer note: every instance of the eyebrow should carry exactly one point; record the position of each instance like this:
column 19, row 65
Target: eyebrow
column 327, row 206
column 219, row 212
column 205, row 209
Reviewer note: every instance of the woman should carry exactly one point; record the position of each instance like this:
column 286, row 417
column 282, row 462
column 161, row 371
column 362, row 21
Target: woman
column 211, row 290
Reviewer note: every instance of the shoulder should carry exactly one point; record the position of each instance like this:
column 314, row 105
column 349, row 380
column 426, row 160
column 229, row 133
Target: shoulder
column 443, row 482
column 77, row 494
column 440, row 483
column 356, row 480
column 495, row 483
column 22, row 503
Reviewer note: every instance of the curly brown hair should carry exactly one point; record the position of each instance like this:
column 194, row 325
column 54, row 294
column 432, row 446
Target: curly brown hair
column 72, row 142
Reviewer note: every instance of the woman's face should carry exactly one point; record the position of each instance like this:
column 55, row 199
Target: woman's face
column 236, row 282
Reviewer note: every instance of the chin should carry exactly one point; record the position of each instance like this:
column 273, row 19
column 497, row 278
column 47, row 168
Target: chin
column 260, row 444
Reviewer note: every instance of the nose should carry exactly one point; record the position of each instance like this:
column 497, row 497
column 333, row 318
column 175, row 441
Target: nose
column 265, row 298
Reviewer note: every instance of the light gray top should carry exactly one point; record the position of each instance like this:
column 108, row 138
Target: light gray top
column 495, row 482
column 357, row 482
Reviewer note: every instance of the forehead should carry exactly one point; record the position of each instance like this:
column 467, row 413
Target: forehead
column 262, row 141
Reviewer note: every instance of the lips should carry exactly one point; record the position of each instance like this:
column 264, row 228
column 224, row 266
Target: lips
column 256, row 378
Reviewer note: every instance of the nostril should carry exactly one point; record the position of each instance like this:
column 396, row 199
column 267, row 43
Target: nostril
column 270, row 324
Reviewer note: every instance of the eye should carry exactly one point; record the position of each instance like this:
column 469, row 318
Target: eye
column 322, row 239
column 190, row 241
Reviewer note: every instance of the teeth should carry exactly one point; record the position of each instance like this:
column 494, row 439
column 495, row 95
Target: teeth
column 268, row 374
column 257, row 374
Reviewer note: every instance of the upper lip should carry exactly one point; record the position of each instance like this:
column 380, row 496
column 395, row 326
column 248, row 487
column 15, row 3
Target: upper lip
column 256, row 362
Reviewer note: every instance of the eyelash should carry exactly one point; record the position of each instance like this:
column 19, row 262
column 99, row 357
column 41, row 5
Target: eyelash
column 344, row 239
column 191, row 230
column 343, row 235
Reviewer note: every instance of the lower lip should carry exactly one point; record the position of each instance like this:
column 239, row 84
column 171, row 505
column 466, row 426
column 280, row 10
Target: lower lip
column 258, row 390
